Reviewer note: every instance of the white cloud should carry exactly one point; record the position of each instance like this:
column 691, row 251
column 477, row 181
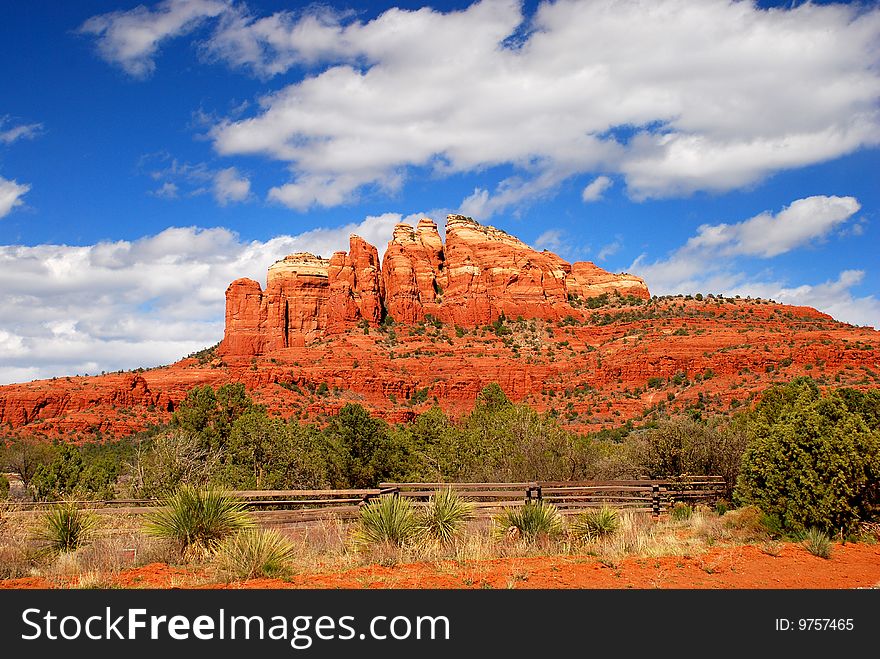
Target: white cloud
column 768, row 235
column 20, row 132
column 833, row 297
column 132, row 38
column 596, row 188
column 167, row 190
column 675, row 95
column 610, row 249
column 230, row 186
column 11, row 193
column 183, row 179
column 552, row 240
column 125, row 304
column 708, row 261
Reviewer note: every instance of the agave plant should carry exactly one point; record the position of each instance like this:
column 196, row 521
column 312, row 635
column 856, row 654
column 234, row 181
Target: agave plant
column 65, row 528
column 595, row 523
column 530, row 521
column 198, row 518
column 445, row 516
column 390, row 520
column 252, row 553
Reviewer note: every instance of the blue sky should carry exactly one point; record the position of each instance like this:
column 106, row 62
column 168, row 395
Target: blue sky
column 149, row 154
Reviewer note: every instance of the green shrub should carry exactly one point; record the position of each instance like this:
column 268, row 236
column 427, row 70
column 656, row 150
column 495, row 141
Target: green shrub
column 681, row 512
column 445, row 516
column 531, row 522
column 595, row 523
column 253, row 553
column 4, row 487
column 812, row 462
column 198, row 519
column 390, row 520
column 65, row 528
column 817, row 543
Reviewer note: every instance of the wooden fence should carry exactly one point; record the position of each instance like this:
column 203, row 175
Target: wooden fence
column 289, row 507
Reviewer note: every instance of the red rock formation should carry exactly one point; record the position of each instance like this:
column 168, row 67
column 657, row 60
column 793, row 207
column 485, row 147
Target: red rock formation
column 597, row 372
column 589, row 280
column 245, row 332
column 413, row 272
column 356, row 287
column 480, row 274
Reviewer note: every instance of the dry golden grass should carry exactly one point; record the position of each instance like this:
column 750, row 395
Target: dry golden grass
column 326, row 546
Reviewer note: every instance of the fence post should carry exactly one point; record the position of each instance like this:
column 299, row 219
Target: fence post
column 655, row 500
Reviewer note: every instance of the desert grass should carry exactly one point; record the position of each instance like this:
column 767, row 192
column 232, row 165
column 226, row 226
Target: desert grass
column 198, row 519
column 252, row 553
column 329, row 546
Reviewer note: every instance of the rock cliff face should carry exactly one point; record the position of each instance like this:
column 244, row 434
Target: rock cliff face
column 480, row 274
column 628, row 359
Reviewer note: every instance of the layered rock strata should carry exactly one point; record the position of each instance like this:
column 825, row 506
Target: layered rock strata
column 480, row 274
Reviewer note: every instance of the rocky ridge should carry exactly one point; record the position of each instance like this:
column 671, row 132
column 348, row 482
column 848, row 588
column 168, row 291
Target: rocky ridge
column 590, row 346
column 478, row 276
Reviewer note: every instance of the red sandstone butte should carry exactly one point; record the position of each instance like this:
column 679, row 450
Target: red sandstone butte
column 480, row 274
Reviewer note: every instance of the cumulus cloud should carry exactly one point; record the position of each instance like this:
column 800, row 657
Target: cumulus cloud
column 11, row 193
column 768, row 235
column 230, row 186
column 124, row 304
column 596, row 188
column 834, row 297
column 130, row 39
column 708, row 261
column 674, row 95
column 715, row 246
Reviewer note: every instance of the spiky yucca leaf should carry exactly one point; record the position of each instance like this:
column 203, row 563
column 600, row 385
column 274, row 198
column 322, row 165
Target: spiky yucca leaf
column 595, row 523
column 252, row 553
column 817, row 543
column 65, row 528
column 530, row 521
column 389, row 520
column 445, row 516
column 198, row 518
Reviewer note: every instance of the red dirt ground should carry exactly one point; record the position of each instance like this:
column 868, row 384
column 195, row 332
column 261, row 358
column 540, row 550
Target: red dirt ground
column 850, row 566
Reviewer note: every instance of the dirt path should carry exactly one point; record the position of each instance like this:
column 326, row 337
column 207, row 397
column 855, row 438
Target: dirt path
column 851, row 566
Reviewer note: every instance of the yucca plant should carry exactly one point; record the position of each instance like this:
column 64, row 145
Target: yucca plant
column 595, row 523
column 681, row 512
column 65, row 528
column 530, row 521
column 445, row 516
column 817, row 543
column 252, row 553
column 389, row 520
column 198, row 519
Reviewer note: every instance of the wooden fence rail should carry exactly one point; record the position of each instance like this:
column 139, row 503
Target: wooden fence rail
column 287, row 507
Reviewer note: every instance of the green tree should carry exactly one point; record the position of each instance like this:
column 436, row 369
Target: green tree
column 492, row 398
column 266, row 453
column 68, row 474
column 210, row 414
column 24, row 455
column 363, row 448
column 686, row 446
column 812, row 462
